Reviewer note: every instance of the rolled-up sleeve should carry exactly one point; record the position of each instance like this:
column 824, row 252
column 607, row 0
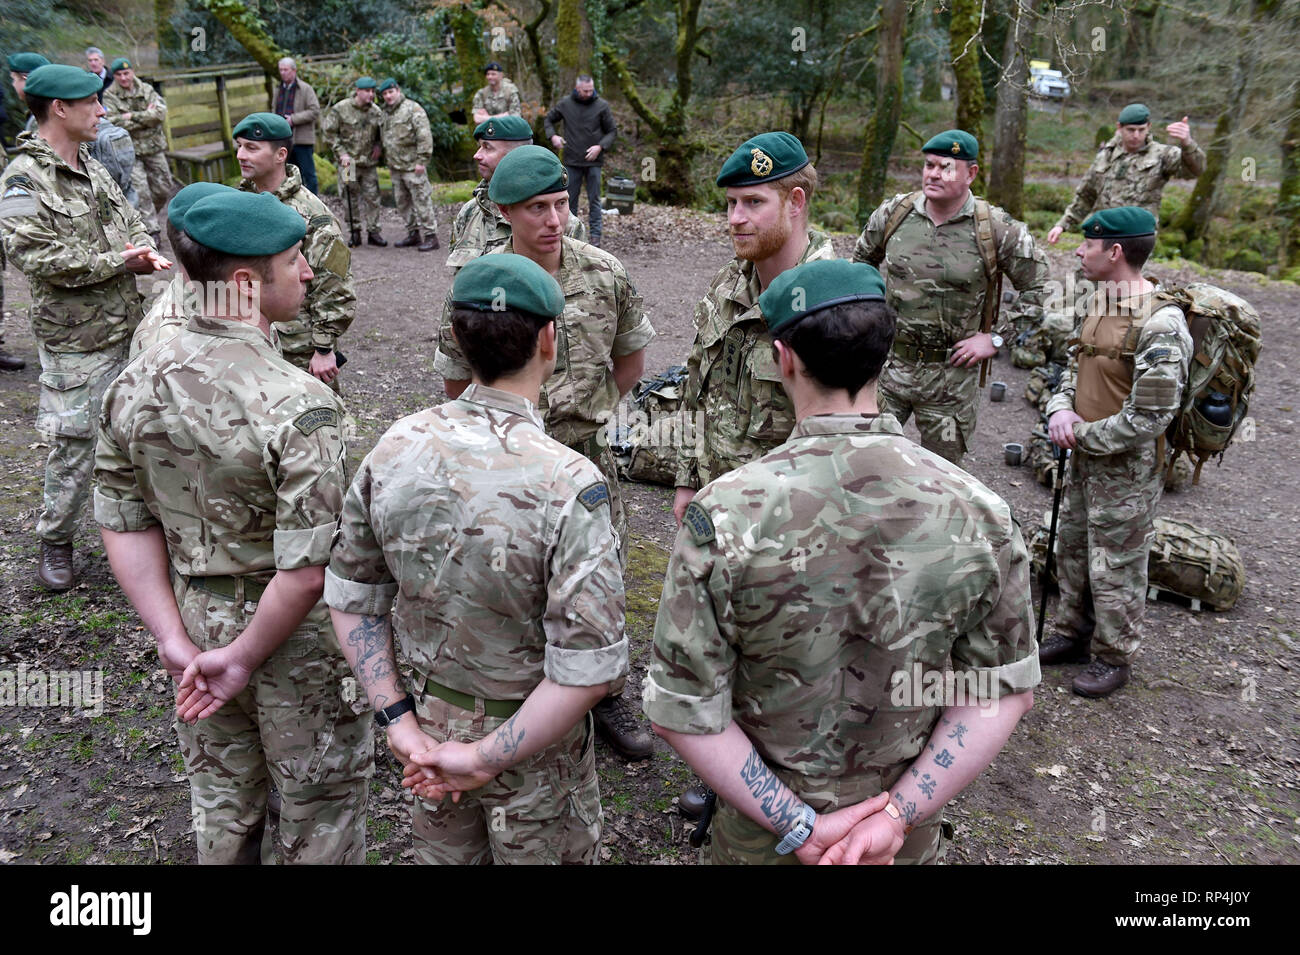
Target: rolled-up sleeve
column 358, row 579
column 306, row 457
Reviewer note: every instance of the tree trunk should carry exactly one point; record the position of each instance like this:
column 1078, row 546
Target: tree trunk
column 878, row 143
column 1288, row 194
column 247, row 31
column 532, row 30
column 1007, row 168
column 568, row 39
column 963, row 42
column 469, row 54
column 171, row 49
column 1139, row 39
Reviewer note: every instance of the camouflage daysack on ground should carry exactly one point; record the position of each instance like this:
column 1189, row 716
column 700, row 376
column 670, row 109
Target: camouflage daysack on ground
column 1042, row 384
column 1221, row 377
column 1194, row 563
column 1044, row 343
column 1037, row 545
column 651, row 447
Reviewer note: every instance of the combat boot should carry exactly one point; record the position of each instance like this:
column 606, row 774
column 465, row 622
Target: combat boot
column 621, row 729
column 376, row 239
column 1101, row 679
column 412, row 238
column 10, row 362
column 692, row 802
column 55, row 569
column 355, row 239
column 430, row 242
column 1059, row 649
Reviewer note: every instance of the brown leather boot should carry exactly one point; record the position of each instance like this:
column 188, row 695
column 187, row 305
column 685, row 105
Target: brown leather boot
column 621, row 729
column 1100, row 679
column 691, row 803
column 430, row 242
column 355, row 239
column 376, row 239
column 55, row 569
column 412, row 238
column 10, row 362
column 1059, row 649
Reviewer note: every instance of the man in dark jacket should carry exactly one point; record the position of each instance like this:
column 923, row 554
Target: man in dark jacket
column 589, row 131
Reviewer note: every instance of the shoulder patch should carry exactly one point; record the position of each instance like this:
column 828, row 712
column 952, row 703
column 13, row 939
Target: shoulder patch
column 18, row 180
column 338, row 260
column 696, row 519
column 316, row 418
column 320, row 221
column 594, row 495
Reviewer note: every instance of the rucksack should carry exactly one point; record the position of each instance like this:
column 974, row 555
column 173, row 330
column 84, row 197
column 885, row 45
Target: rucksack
column 651, row 450
column 1194, row 563
column 1225, row 333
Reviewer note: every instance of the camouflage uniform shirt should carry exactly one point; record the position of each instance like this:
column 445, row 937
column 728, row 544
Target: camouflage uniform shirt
column 495, row 555
column 734, row 398
column 505, row 100
column 480, row 227
column 407, row 139
column 176, row 304
column 331, row 301
column 148, row 115
column 801, row 583
column 1117, row 178
column 347, row 128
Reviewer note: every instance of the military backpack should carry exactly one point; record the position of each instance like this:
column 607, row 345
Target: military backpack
column 650, row 446
column 1194, row 563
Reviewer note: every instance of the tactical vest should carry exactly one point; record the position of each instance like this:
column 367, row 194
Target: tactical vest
column 1107, row 346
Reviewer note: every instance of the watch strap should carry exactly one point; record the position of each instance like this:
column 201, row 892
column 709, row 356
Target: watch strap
column 797, row 836
column 390, row 713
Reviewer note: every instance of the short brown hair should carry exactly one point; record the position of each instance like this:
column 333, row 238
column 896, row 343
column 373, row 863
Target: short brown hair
column 805, row 179
column 844, row 346
column 496, row 343
column 1137, row 249
column 203, row 264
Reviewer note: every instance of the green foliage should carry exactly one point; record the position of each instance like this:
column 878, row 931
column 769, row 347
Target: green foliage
column 1048, row 197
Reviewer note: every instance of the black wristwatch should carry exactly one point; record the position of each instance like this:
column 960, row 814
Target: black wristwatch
column 393, row 713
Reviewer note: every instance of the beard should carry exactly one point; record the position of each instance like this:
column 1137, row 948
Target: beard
column 763, row 245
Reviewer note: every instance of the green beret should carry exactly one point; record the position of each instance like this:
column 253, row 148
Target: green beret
column 26, row 62
column 1134, row 114
column 512, row 129
column 364, row 83
column 244, row 223
column 121, row 63
column 956, row 143
column 766, row 157
column 387, row 84
column 56, row 81
column 526, row 172
column 507, row 281
column 187, row 196
column 1124, row 222
column 813, row 286
column 265, row 127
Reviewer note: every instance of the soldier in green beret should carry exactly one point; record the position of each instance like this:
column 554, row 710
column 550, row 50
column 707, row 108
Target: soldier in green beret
column 408, row 148
column 136, row 106
column 603, row 333
column 1131, row 169
column 513, row 622
column 221, row 474
column 811, row 593
column 1123, row 386
column 263, row 142
column 943, row 253
column 350, row 130
column 479, row 226
column 69, row 229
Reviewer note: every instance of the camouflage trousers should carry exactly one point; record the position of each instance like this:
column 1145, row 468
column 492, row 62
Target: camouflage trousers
column 296, row 725
column 67, row 415
column 738, row 840
column 944, row 398
column 1102, row 544
column 546, row 810
column 151, row 177
column 365, row 199
column 414, row 198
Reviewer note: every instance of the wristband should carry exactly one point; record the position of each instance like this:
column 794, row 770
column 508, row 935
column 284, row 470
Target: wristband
column 797, row 836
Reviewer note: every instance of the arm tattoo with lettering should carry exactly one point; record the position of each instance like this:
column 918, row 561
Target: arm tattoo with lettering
column 501, row 748
column 781, row 807
column 372, row 641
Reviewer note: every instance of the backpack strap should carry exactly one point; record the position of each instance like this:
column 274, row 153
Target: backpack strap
column 986, row 238
column 896, row 217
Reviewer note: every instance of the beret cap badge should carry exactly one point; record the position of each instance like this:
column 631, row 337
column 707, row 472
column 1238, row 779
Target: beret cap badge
column 761, row 164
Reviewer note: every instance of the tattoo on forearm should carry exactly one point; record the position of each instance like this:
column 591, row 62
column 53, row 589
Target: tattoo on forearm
column 782, row 807
column 371, row 641
column 505, row 743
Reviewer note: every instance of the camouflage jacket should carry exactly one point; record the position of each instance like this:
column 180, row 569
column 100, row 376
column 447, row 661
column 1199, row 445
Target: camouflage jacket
column 805, row 588
column 148, row 115
column 235, row 452
column 347, row 128
column 1160, row 362
column 1117, row 178
column 170, row 312
column 602, row 319
column 480, row 227
column 331, row 301
column 505, row 100
column 497, row 560
column 934, row 274
column 405, row 133
column 65, row 230
column 736, row 407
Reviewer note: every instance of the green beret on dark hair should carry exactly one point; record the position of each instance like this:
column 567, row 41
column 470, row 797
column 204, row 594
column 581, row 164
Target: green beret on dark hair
column 264, row 127
column 766, row 157
column 389, row 83
column 26, row 62
column 956, row 143
column 187, row 196
column 503, row 281
column 526, row 172
column 512, row 129
column 1134, row 114
column 244, row 223
column 1124, row 222
column 56, row 81
column 813, row 286
column 121, row 63
column 364, row 83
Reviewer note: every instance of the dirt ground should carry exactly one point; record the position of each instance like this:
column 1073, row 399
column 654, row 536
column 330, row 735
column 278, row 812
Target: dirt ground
column 1196, row 761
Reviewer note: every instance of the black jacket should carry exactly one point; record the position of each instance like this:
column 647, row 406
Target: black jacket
column 585, row 125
